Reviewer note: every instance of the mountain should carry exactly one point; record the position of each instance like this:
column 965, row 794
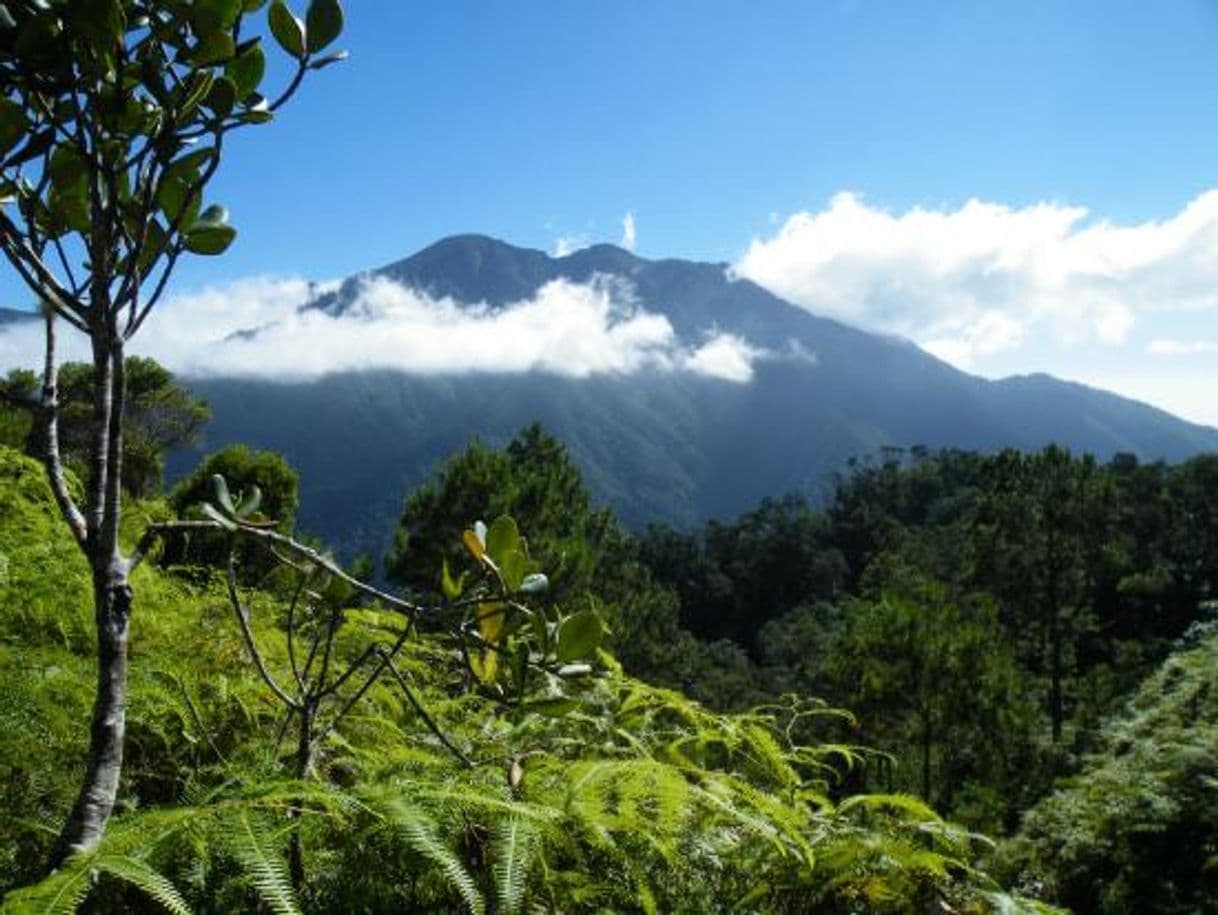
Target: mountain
column 654, row 444
column 10, row 316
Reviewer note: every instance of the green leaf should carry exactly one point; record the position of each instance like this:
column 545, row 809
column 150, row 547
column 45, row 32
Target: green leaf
column 551, row 708
column 250, row 503
column 218, row 516
column 210, row 16
column 247, row 69
column 451, row 587
column 491, row 617
column 222, row 97
column 13, row 124
column 512, row 568
column 172, row 198
column 287, row 29
column 210, row 234
column 213, row 48
column 502, row 537
column 324, row 23
column 580, row 635
column 223, row 497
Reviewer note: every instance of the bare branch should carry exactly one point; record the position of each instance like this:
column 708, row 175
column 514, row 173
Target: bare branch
column 288, row 545
column 50, row 431
column 418, row 707
column 242, row 614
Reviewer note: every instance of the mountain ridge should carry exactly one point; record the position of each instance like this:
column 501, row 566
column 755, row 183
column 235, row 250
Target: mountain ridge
column 654, row 445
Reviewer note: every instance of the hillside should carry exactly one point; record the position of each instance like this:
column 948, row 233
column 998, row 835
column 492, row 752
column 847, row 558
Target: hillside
column 640, row 801
column 667, row 445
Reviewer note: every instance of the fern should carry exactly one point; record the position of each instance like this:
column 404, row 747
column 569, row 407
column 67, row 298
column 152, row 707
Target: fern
column 513, row 849
column 419, row 832
column 59, row 894
column 256, row 848
column 148, row 879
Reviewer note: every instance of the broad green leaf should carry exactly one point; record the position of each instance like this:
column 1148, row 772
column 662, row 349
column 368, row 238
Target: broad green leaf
column 246, row 70
column 501, row 538
column 485, row 665
column 580, row 635
column 214, row 48
column 222, row 97
column 551, row 708
column 210, row 240
column 324, row 23
column 211, row 233
column 212, row 15
column 451, row 587
column 512, row 567
column 491, row 617
column 172, row 198
column 287, row 29
column 223, row 496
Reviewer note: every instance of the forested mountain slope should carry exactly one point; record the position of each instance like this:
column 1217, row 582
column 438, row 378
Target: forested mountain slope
column 670, row 445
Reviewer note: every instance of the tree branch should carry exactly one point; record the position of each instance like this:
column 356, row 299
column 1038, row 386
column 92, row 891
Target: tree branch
column 243, row 620
column 50, row 420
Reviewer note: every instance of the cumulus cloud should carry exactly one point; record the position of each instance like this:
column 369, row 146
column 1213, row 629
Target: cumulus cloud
column 257, row 328
column 979, row 279
column 724, row 356
column 629, row 234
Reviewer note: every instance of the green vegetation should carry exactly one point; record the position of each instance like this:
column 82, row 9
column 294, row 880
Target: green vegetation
column 113, row 120
column 158, row 416
column 617, row 796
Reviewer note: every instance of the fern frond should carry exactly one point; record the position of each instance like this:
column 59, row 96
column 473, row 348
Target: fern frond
column 59, row 894
column 419, row 832
column 513, row 850
column 147, row 879
column 256, row 848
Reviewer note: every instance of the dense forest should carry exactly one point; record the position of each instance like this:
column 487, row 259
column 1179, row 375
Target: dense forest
column 780, row 709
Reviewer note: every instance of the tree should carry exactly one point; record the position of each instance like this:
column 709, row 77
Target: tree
column 534, row 480
column 930, row 673
column 159, row 415
column 113, row 120
column 278, row 484
column 1042, row 525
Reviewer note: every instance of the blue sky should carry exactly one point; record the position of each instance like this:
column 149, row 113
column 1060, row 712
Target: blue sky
column 703, row 118
column 734, row 131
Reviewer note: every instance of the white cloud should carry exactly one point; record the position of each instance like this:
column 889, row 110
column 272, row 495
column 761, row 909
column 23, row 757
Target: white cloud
column 1166, row 347
column 569, row 244
column 629, row 233
column 982, row 278
column 724, row 356
column 575, row 330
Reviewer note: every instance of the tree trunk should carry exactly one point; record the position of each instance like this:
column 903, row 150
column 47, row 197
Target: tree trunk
column 87, row 821
column 304, row 764
column 112, row 598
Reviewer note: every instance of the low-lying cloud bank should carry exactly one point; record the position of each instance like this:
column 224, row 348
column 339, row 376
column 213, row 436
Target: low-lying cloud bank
column 256, row 328
column 981, row 279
